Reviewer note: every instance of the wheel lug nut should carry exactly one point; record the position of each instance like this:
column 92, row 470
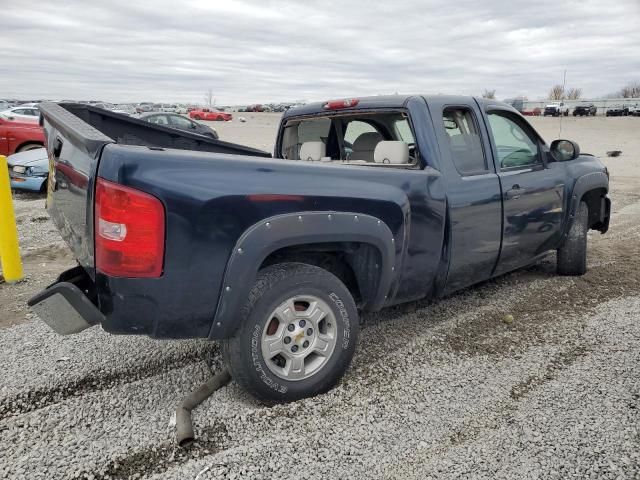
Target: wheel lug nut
column 294, row 349
column 287, row 340
column 302, row 323
column 291, row 327
column 309, row 331
column 305, row 344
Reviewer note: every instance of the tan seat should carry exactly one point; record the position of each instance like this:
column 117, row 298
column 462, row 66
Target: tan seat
column 392, row 152
column 312, row 150
column 364, row 146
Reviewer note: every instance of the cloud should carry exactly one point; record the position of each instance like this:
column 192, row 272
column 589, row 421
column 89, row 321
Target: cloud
column 259, row 51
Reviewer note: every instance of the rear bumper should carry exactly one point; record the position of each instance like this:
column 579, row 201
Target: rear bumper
column 65, row 305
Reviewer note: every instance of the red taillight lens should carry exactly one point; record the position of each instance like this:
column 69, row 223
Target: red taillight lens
column 339, row 104
column 129, row 231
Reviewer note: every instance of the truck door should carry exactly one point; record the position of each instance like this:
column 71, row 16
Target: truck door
column 533, row 192
column 474, row 205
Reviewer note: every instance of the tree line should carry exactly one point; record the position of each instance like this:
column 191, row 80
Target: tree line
column 559, row 92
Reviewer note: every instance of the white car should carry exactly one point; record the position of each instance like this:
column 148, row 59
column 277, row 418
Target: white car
column 23, row 113
column 168, row 108
column 125, row 109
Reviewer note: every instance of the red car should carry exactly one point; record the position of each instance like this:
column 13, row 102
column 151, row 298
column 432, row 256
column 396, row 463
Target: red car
column 207, row 114
column 18, row 136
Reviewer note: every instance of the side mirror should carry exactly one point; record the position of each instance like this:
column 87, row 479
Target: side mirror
column 563, row 150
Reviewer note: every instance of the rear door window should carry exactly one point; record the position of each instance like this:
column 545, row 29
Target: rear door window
column 464, row 140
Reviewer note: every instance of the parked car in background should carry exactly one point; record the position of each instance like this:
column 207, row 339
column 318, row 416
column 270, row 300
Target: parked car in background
column 144, row 107
column 19, row 136
column 634, row 110
column 125, row 109
column 175, row 120
column 617, row 111
column 29, row 170
column 210, row 114
column 4, row 105
column 169, row 108
column 555, row 110
column 180, row 108
column 536, row 112
column 22, row 113
column 585, row 110
column 254, row 108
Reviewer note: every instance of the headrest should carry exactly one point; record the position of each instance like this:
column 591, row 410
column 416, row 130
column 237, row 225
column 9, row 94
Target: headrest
column 393, row 152
column 367, row 141
column 312, row 151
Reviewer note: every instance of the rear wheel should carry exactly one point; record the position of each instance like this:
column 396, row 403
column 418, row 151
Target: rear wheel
column 297, row 335
column 572, row 256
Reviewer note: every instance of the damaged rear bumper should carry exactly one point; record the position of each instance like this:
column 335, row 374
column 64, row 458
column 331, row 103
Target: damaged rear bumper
column 66, row 305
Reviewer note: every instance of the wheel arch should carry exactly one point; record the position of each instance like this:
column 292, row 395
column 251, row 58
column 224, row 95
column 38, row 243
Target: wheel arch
column 360, row 249
column 28, row 142
column 592, row 189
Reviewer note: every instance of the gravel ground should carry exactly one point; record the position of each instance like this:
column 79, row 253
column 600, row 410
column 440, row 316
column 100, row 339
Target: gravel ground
column 449, row 389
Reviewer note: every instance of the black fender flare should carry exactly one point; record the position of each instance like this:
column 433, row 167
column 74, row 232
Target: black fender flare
column 274, row 233
column 584, row 184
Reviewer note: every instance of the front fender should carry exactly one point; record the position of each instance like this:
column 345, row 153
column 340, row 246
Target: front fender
column 584, row 184
column 274, row 233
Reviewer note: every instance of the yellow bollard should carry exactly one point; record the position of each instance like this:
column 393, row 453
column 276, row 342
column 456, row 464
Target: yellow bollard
column 9, row 251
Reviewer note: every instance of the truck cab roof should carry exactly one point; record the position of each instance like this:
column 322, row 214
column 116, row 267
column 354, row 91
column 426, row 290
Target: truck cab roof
column 381, row 102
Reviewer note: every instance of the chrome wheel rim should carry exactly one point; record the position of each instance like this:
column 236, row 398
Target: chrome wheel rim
column 299, row 337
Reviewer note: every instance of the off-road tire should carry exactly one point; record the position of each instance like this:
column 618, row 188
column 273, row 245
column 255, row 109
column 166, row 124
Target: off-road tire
column 572, row 255
column 275, row 284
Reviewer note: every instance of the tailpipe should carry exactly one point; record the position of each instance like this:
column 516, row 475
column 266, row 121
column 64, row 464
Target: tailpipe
column 184, row 426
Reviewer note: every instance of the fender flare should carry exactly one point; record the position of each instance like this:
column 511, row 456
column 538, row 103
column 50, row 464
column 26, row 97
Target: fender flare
column 274, row 233
column 584, row 184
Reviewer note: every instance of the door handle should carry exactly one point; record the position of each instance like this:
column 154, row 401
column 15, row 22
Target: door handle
column 515, row 192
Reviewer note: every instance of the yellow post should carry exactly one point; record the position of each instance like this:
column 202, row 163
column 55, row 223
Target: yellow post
column 9, row 252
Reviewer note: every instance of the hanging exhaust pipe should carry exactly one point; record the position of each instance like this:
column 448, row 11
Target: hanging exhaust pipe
column 184, row 425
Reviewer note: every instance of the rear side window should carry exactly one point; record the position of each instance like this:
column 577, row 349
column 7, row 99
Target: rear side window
column 464, row 140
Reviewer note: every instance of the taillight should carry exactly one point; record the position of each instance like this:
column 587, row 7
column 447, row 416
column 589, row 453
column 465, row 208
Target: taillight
column 338, row 104
column 129, row 231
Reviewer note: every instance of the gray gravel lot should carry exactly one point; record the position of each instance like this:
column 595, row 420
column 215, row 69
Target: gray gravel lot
column 449, row 389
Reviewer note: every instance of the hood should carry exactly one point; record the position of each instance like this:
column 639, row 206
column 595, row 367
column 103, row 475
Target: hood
column 29, row 158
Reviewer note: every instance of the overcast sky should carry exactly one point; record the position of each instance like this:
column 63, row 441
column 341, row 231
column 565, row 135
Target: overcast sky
column 262, row 51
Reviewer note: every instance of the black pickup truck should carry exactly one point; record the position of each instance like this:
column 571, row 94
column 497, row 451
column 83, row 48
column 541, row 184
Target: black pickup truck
column 367, row 203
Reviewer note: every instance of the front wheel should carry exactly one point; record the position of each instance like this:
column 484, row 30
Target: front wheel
column 572, row 255
column 297, row 335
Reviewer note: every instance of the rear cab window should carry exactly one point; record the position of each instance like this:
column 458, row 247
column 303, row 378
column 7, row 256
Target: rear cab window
column 370, row 138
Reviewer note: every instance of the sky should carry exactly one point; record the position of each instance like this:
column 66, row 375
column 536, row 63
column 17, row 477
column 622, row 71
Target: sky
column 260, row 51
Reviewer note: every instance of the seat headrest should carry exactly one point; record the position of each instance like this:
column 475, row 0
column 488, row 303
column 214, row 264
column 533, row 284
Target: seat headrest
column 393, row 152
column 367, row 141
column 312, row 151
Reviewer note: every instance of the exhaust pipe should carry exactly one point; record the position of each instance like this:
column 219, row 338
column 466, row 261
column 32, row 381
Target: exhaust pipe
column 184, row 426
